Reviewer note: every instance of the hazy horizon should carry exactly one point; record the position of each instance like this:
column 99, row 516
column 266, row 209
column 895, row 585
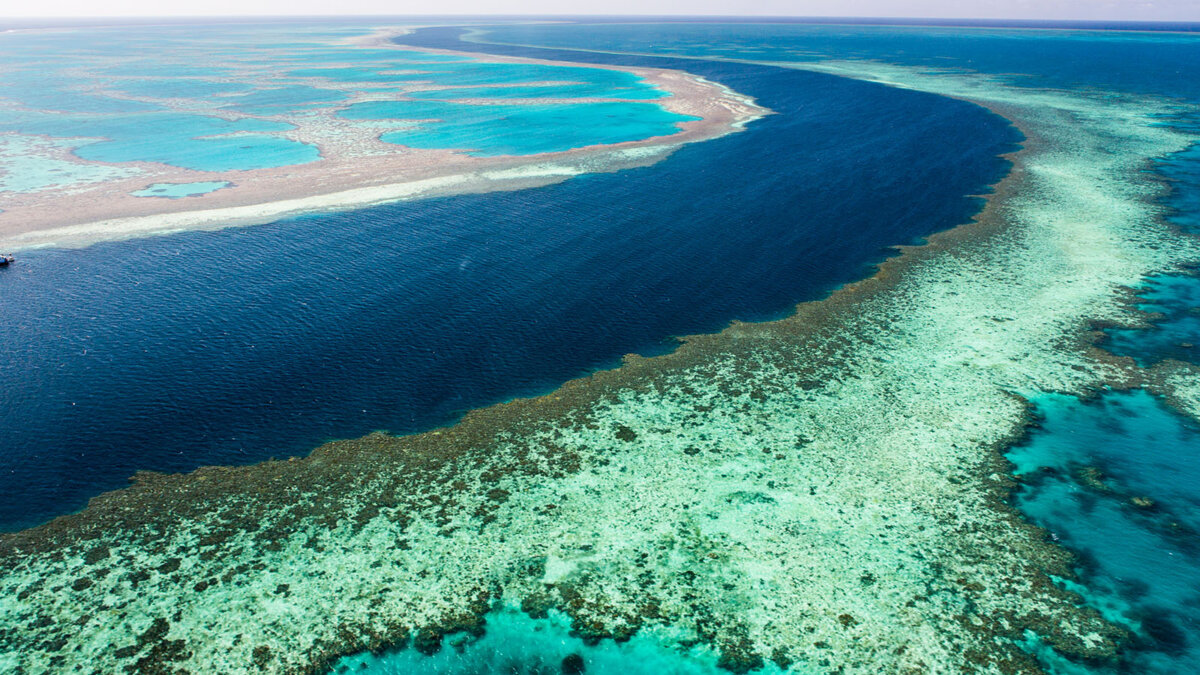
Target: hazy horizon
column 998, row 10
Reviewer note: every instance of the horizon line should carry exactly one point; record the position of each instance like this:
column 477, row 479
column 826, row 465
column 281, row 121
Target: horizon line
column 643, row 17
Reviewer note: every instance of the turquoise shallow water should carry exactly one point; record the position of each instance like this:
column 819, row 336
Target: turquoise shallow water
column 526, row 129
column 218, row 153
column 464, row 73
column 541, row 91
column 516, row 644
column 176, row 87
column 399, row 72
column 1175, row 334
column 336, row 55
column 189, row 141
column 283, row 100
column 1115, row 480
column 144, row 68
column 56, row 97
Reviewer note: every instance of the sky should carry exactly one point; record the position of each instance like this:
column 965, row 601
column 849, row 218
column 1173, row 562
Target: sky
column 1127, row 10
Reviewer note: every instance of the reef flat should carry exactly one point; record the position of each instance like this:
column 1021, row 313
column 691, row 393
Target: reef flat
column 317, row 123
column 823, row 493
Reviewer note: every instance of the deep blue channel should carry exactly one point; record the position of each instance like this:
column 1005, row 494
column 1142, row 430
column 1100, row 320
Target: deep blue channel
column 231, row 347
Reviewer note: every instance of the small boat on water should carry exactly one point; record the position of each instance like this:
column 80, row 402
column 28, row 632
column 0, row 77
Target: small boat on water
column 6, row 259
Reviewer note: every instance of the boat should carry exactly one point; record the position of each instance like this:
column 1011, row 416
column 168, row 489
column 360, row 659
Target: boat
column 6, row 259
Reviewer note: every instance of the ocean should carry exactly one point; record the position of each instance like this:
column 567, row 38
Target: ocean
column 230, row 347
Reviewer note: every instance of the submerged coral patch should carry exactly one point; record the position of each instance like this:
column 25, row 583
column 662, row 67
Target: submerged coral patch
column 512, row 641
column 178, row 190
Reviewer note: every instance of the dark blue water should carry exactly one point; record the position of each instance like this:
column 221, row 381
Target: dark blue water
column 1155, row 63
column 234, row 346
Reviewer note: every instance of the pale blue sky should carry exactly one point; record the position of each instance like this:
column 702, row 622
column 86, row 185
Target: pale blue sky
column 1135, row 10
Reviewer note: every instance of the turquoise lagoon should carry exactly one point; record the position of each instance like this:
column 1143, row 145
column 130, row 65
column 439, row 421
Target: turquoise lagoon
column 284, row 100
column 539, row 91
column 139, row 95
column 526, row 129
column 197, row 142
column 180, row 87
column 595, row 81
